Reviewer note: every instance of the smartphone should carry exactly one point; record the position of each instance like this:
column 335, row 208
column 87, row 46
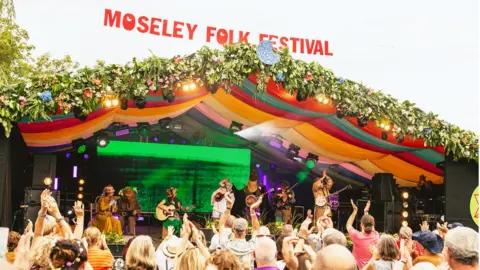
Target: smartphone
column 3, row 241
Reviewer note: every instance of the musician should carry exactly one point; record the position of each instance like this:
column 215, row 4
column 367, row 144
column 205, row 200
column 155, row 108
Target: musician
column 174, row 219
column 129, row 208
column 106, row 206
column 283, row 200
column 218, row 198
column 254, row 189
column 321, row 191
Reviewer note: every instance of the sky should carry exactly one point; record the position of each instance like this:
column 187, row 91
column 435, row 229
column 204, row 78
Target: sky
column 425, row 51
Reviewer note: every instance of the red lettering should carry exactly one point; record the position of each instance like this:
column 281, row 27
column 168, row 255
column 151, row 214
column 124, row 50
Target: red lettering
column 191, row 30
column 129, row 21
column 230, row 37
column 312, row 44
column 177, row 30
column 243, row 37
column 154, row 26
column 164, row 29
column 283, row 42
column 222, row 36
column 210, row 33
column 262, row 37
column 294, row 44
column 327, row 52
column 302, row 45
column 272, row 37
column 109, row 19
column 143, row 28
column 318, row 47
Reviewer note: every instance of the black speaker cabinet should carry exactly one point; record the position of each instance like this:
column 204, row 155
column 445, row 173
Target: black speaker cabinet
column 32, row 199
column 383, row 187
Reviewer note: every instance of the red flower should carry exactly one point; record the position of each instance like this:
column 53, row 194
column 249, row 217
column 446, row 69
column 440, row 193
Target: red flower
column 178, row 59
column 87, row 93
column 308, row 77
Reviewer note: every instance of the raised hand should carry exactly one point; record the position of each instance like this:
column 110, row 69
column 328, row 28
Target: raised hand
column 229, row 200
column 309, row 214
column 367, row 207
column 78, row 208
column 257, row 203
column 28, row 229
column 424, row 226
column 354, row 206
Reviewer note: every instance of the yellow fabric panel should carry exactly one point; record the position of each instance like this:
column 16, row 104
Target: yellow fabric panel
column 225, row 112
column 404, row 169
column 369, row 167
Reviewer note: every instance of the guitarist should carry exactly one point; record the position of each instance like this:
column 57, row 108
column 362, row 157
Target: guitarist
column 321, row 188
column 174, row 216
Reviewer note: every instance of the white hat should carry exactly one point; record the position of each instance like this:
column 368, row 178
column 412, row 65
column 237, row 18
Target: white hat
column 174, row 246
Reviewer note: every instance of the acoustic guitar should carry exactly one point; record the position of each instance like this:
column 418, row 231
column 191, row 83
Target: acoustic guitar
column 163, row 214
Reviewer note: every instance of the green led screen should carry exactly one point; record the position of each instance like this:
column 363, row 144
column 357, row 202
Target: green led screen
column 152, row 168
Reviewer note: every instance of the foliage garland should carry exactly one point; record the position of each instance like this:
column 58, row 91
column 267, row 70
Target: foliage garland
column 59, row 86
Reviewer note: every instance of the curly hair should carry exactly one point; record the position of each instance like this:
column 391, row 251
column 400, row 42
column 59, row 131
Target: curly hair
column 13, row 238
column 40, row 255
column 224, row 260
column 68, row 253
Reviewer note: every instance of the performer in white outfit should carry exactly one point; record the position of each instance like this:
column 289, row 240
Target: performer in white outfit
column 218, row 198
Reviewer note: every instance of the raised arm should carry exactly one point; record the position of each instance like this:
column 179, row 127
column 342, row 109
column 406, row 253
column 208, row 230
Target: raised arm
column 42, row 214
column 55, row 212
column 79, row 213
column 351, row 219
column 226, row 215
column 253, row 215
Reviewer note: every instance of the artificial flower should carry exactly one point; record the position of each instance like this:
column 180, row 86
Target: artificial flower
column 308, row 77
column 371, row 91
column 178, row 59
column 45, row 96
column 97, row 82
column 279, row 77
column 22, row 100
column 87, row 93
column 340, row 81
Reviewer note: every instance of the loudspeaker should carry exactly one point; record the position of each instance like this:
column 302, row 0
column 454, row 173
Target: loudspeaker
column 383, row 187
column 43, row 166
column 32, row 199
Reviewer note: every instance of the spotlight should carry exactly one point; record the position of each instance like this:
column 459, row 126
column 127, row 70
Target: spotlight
column 362, row 121
column 292, row 151
column 235, row 127
column 165, row 123
column 124, row 104
column 102, row 138
column 405, row 214
column 80, row 196
column 155, row 138
column 405, row 204
column 108, row 103
column 319, row 98
column 384, row 135
column 312, row 157
column 340, row 114
column 80, row 189
column 405, row 223
column 258, row 165
column 81, row 181
column 212, row 88
column 68, row 155
column 115, row 102
column 69, row 212
column 326, row 101
column 85, row 156
column 301, row 96
column 80, row 145
column 47, row 181
column 405, row 195
column 186, row 87
column 140, row 102
column 177, row 125
column 387, row 127
column 172, row 141
column 78, row 113
column 193, row 85
column 400, row 138
column 382, row 125
column 169, row 97
column 143, row 128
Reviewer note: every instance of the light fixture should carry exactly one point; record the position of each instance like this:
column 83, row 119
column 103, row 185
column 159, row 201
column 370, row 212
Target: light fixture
column 155, row 138
column 405, row 214
column 405, row 195
column 85, row 156
column 102, row 139
column 165, row 123
column 124, row 104
column 115, row 102
column 47, row 181
column 405, row 223
column 405, row 204
column 80, row 145
column 108, row 103
column 384, row 135
column 169, row 97
column 80, row 189
column 400, row 138
column 143, row 128
column 140, row 102
column 301, row 96
column 81, row 181
column 311, row 160
column 235, row 127
column 78, row 113
column 362, row 121
column 258, row 165
column 340, row 114
column 292, row 151
column 212, row 88
column 68, row 155
column 80, row 196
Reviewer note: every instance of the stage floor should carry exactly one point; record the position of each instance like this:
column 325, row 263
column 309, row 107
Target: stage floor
column 155, row 232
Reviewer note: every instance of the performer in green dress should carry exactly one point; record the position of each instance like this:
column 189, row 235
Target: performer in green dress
column 174, row 220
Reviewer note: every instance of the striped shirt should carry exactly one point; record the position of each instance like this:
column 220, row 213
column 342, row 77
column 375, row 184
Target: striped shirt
column 100, row 259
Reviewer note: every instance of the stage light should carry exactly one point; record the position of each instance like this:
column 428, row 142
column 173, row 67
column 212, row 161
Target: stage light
column 69, row 212
column 382, row 125
column 400, row 138
column 47, row 181
column 155, row 139
column 193, row 86
column 319, row 98
column 326, row 101
column 81, row 181
column 405, row 195
column 340, row 114
column 405, row 204
column 186, row 87
column 75, row 170
column 143, row 128
column 384, row 135
column 80, row 189
column 165, row 123
column 387, row 127
column 108, row 103
column 292, row 151
column 362, row 121
column 124, row 104
column 212, row 88
column 102, row 139
column 78, row 113
column 301, row 96
column 68, row 155
column 80, row 196
column 172, row 140
column 405, row 214
column 80, row 145
column 405, row 223
column 235, row 127
column 169, row 97
column 258, row 165
column 55, row 183
column 177, row 125
column 85, row 156
column 115, row 102
column 140, row 102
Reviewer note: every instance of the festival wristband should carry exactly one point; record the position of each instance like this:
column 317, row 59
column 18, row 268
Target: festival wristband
column 60, row 219
column 42, row 215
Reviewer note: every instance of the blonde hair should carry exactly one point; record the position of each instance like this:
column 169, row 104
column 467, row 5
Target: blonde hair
column 92, row 234
column 223, row 260
column 40, row 255
column 141, row 254
column 49, row 226
column 191, row 259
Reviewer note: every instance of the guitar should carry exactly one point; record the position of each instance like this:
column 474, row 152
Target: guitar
column 251, row 199
column 323, row 201
column 163, row 214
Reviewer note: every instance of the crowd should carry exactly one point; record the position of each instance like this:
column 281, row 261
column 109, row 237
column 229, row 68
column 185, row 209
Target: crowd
column 54, row 244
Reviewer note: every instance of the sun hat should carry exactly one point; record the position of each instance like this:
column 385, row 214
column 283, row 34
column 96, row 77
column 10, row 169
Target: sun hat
column 174, row 246
column 429, row 240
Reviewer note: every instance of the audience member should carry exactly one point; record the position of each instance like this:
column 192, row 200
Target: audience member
column 406, row 235
column 431, row 246
column 333, row 236
column 125, row 248
column 99, row 256
column 265, row 254
column 461, row 248
column 227, row 232
column 141, row 254
column 385, row 254
column 192, row 259
column 335, row 257
column 287, row 230
column 69, row 254
column 13, row 238
column 221, row 260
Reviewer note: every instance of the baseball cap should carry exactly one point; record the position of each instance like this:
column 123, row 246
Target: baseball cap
column 429, row 240
column 240, row 225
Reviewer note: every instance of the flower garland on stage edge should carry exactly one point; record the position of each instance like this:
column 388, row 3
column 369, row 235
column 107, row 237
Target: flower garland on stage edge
column 82, row 90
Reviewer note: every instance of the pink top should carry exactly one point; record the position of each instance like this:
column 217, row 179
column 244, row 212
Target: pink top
column 361, row 241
